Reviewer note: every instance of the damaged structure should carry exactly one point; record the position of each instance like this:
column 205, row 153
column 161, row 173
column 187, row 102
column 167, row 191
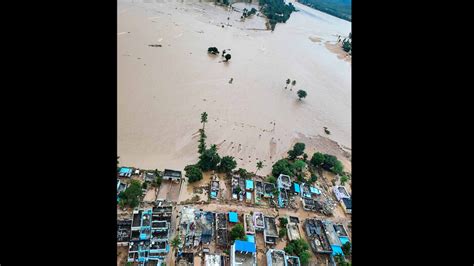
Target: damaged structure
column 258, row 221
column 221, row 229
column 197, row 227
column 243, row 253
column 249, row 224
column 270, row 233
column 171, row 175
column 214, row 260
column 277, row 257
column 124, row 229
column 284, row 187
column 149, row 240
column 317, row 236
column 340, row 192
column 293, row 231
column 333, row 238
column 238, row 188
column 214, row 189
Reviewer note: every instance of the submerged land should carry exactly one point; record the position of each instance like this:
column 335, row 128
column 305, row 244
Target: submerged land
column 162, row 89
column 168, row 77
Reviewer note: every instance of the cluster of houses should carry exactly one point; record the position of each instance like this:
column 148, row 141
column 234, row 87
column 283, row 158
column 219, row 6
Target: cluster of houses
column 199, row 228
column 326, row 237
column 147, row 234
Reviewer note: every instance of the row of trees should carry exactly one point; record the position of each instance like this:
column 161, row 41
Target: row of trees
column 209, row 159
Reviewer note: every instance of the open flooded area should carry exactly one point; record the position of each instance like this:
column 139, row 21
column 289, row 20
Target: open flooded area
column 163, row 88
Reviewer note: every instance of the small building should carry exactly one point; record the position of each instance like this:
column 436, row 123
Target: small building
column 149, row 177
column 305, row 191
column 268, row 189
column 214, row 189
column 258, row 221
column 315, row 190
column 233, row 217
column 243, row 253
column 172, row 175
column 270, row 233
column 125, row 172
column 346, row 205
column 284, row 182
column 249, row 224
column 124, row 229
column 249, row 185
column 340, row 192
column 221, row 229
column 280, row 258
column 293, row 231
column 296, row 189
column 317, row 236
column 213, row 260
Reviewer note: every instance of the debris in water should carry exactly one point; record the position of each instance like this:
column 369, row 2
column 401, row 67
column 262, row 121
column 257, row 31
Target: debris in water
column 154, row 45
column 231, row 79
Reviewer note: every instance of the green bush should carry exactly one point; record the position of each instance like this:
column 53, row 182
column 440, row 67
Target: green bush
column 282, row 166
column 227, row 164
column 193, row 173
column 238, row 232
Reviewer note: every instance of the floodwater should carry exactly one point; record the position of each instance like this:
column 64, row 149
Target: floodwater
column 163, row 90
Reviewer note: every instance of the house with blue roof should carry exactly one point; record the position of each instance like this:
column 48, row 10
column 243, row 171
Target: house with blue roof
column 243, row 253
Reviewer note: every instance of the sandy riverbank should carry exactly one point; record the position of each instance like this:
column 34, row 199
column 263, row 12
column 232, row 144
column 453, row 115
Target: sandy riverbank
column 163, row 90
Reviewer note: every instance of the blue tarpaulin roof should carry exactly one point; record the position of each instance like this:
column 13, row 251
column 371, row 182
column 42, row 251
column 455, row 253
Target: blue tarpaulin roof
column 336, row 250
column 213, row 194
column 249, row 184
column 296, row 187
column 125, row 170
column 344, row 239
column 233, row 217
column 315, row 190
column 244, row 246
column 251, row 238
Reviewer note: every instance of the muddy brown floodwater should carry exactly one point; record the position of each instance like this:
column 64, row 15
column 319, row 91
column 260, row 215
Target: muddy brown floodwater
column 163, row 89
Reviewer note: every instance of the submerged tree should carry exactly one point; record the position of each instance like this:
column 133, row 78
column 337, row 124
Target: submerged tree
column 287, row 83
column 259, row 166
column 297, row 150
column 227, row 57
column 203, row 119
column 213, row 50
column 301, row 94
column 209, row 159
column 227, row 164
column 293, row 83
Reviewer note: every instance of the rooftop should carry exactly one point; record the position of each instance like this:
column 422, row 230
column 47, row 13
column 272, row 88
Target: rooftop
column 233, row 217
column 245, row 246
column 249, row 184
column 296, row 187
column 347, row 202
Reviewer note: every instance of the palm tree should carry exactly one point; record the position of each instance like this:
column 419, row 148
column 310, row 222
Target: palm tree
column 176, row 242
column 259, row 166
column 287, row 83
column 203, row 119
column 301, row 94
column 293, row 83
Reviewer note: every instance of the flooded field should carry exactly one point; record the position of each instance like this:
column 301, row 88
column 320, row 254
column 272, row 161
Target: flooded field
column 163, row 88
